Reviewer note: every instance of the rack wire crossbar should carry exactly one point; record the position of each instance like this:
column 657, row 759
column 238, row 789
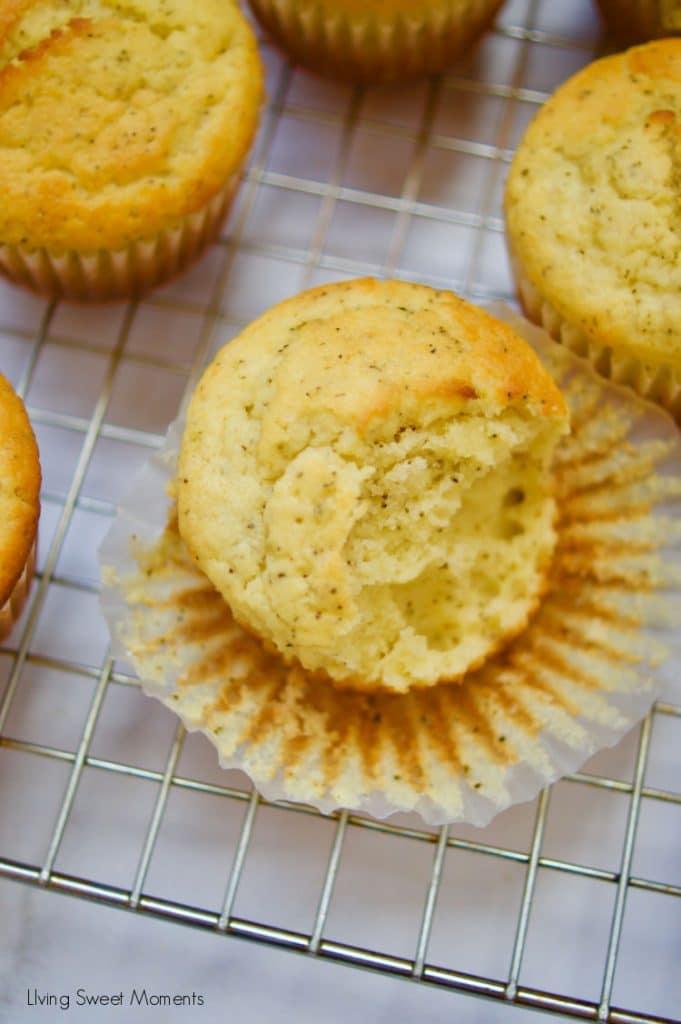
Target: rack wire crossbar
column 299, row 942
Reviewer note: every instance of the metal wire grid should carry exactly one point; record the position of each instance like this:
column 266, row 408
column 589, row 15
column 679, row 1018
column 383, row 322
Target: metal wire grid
column 314, row 261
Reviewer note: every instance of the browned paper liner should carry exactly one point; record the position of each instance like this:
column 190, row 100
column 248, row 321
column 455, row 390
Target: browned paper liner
column 658, row 382
column 376, row 47
column 634, row 21
column 120, row 273
column 587, row 667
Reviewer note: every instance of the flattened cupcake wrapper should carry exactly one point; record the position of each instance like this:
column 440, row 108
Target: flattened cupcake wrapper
column 375, row 48
column 658, row 383
column 14, row 605
column 583, row 672
column 122, row 273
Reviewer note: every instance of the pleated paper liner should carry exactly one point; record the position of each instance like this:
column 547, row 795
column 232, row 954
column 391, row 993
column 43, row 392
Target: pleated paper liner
column 584, row 671
column 121, row 273
column 380, row 45
column 658, row 382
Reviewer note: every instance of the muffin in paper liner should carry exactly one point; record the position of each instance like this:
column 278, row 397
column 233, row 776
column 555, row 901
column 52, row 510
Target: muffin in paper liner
column 375, row 41
column 586, row 668
column 120, row 273
column 124, row 132
column 660, row 383
column 591, row 208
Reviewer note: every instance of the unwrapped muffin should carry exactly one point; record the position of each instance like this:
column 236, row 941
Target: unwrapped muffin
column 375, row 40
column 634, row 21
column 594, row 218
column 602, row 645
column 124, row 125
column 19, row 505
column 364, row 476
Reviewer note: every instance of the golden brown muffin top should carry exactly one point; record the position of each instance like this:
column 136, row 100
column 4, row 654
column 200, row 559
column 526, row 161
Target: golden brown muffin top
column 348, row 473
column 19, row 488
column 593, row 201
column 379, row 347
column 119, row 117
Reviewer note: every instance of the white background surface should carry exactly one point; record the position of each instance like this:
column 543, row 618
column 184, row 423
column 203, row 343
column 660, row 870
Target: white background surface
column 241, row 983
column 342, row 183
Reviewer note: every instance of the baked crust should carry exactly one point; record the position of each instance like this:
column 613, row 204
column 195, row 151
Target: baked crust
column 491, row 362
column 19, row 489
column 356, row 463
column 593, row 202
column 118, row 118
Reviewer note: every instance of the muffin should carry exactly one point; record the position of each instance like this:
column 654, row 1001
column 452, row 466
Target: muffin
column 375, row 40
column 592, row 210
column 599, row 649
column 365, row 477
column 19, row 505
column 634, row 21
column 123, row 131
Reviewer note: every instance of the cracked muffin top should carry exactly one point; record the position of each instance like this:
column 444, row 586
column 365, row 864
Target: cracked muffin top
column 365, row 476
column 119, row 117
column 593, row 202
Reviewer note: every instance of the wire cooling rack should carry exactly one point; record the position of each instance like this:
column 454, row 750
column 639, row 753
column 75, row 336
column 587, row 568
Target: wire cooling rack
column 569, row 904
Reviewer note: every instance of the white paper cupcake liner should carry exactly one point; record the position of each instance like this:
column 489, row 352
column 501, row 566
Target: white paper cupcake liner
column 375, row 47
column 583, row 672
column 659, row 383
column 13, row 606
column 122, row 273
